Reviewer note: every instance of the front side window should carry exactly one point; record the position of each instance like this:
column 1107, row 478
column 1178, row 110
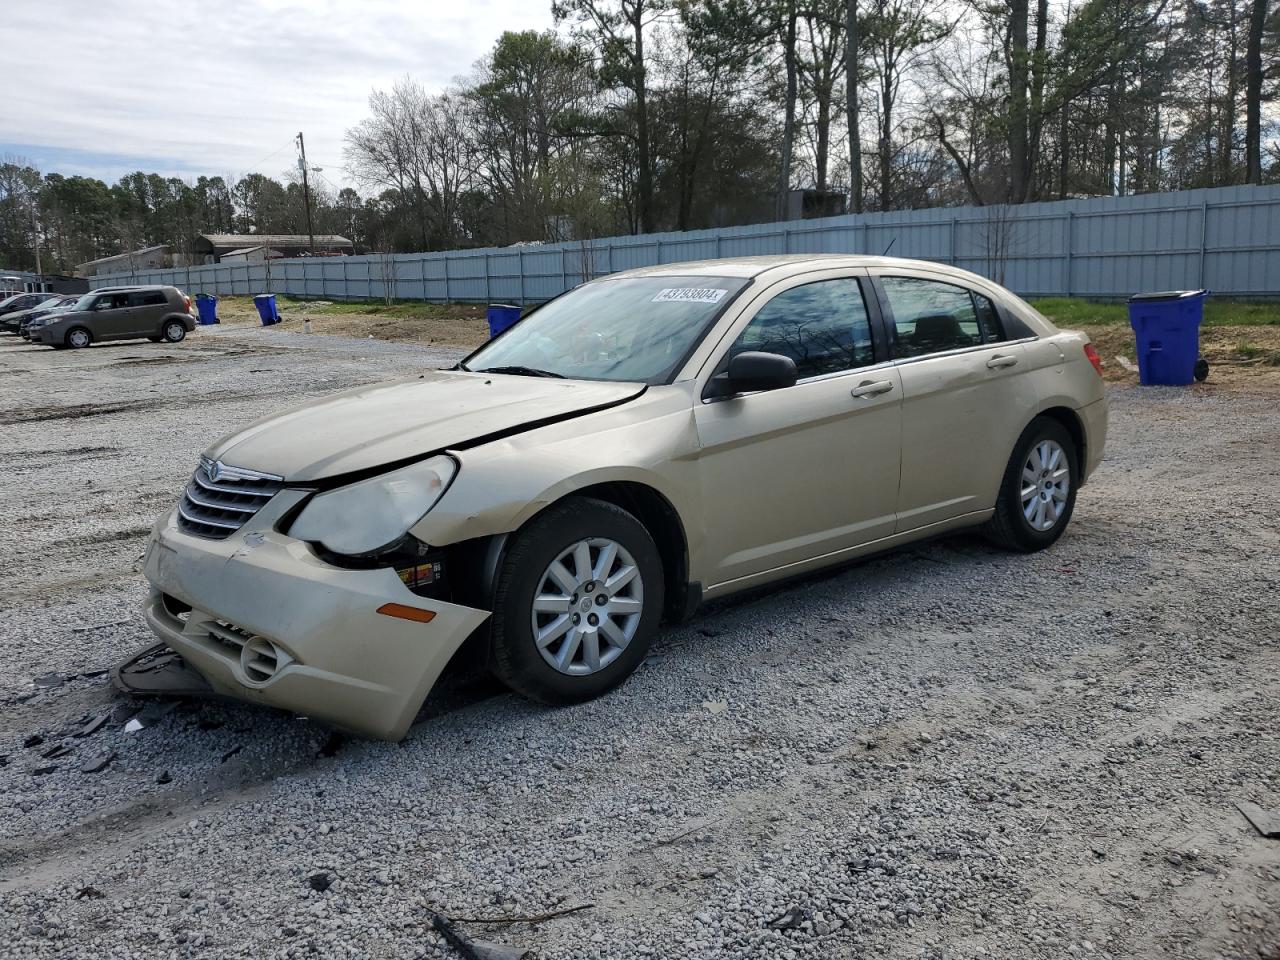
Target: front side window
column 822, row 326
column 628, row 329
column 110, row 301
column 931, row 317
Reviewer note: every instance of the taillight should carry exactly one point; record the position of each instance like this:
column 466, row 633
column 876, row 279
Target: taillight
column 1092, row 354
column 187, row 301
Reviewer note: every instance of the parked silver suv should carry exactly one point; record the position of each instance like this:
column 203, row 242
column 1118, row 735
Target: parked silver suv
column 118, row 313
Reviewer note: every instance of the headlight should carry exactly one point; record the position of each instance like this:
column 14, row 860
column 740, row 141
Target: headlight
column 376, row 512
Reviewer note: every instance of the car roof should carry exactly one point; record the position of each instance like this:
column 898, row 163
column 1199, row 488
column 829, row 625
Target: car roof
column 785, row 264
column 136, row 286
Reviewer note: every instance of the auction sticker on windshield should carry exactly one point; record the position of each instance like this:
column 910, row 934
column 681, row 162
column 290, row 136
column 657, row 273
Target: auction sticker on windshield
column 689, row 295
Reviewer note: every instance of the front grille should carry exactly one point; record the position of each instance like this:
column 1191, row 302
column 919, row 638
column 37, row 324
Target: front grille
column 219, row 499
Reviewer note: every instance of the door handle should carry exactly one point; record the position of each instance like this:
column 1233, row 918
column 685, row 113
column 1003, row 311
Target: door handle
column 871, row 388
column 999, row 360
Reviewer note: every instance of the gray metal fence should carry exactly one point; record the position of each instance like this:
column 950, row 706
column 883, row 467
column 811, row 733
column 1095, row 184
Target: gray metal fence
column 1226, row 239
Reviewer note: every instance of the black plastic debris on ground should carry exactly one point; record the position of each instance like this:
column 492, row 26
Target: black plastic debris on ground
column 60, row 750
column 89, row 893
column 163, row 777
column 43, row 771
column 320, row 882
column 793, row 919
column 99, row 763
column 331, row 746
column 93, row 726
column 230, row 753
column 33, row 741
column 1265, row 823
column 473, row 949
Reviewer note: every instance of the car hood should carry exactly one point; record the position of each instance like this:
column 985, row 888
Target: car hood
column 382, row 424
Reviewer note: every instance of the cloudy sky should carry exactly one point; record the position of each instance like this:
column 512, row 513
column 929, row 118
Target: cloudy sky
column 183, row 87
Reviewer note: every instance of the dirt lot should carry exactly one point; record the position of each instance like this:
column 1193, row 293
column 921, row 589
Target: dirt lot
column 946, row 752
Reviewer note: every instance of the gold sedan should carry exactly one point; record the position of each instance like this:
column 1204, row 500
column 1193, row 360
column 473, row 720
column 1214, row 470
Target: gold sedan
column 639, row 444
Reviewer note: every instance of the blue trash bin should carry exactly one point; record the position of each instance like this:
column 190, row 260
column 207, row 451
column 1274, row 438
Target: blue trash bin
column 1167, row 328
column 500, row 317
column 206, row 308
column 266, row 304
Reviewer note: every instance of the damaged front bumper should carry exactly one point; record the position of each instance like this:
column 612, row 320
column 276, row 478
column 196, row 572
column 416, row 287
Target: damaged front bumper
column 263, row 619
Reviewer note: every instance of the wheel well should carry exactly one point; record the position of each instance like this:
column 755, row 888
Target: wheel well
column 663, row 523
column 1071, row 423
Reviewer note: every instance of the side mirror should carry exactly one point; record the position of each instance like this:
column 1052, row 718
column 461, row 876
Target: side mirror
column 753, row 370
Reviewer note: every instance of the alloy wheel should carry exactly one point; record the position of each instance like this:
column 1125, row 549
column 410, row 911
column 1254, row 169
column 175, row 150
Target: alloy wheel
column 587, row 606
column 1046, row 481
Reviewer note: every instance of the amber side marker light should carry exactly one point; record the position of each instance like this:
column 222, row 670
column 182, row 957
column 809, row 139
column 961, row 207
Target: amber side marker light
column 407, row 613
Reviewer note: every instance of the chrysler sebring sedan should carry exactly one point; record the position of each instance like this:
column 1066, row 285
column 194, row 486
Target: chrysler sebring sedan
column 646, row 441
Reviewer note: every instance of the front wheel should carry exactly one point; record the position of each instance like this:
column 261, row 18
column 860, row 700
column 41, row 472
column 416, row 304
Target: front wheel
column 175, row 331
column 577, row 602
column 79, row 338
column 1038, row 493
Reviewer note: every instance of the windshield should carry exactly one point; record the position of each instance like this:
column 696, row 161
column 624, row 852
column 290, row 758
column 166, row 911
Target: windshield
column 628, row 329
column 84, row 302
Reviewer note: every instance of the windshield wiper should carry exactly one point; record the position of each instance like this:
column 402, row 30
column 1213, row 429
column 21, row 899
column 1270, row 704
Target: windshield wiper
column 522, row 372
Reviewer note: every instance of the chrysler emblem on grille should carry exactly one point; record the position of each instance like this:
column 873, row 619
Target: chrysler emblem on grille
column 216, row 471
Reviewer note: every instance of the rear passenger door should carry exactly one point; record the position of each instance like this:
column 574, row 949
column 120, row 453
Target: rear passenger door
column 966, row 396
column 146, row 308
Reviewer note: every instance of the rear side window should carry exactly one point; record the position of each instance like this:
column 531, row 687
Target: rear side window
column 932, row 317
column 988, row 319
column 147, row 298
column 822, row 326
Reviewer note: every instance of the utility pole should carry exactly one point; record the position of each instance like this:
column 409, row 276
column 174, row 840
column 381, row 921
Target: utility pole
column 306, row 192
column 35, row 233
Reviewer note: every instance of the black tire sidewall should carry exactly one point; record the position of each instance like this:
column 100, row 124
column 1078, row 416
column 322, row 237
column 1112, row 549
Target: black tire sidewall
column 514, row 653
column 1039, row 430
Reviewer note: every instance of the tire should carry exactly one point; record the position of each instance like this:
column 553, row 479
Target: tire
column 1010, row 527
column 175, row 331
column 558, row 534
column 78, row 338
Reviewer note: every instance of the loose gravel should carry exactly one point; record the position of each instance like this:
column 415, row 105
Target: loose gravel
column 945, row 752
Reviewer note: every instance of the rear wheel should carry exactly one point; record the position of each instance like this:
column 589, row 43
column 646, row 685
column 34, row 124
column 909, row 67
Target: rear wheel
column 78, row 338
column 1038, row 493
column 175, row 331
column 577, row 602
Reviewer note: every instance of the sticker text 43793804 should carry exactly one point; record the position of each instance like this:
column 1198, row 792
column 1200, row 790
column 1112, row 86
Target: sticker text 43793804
column 689, row 295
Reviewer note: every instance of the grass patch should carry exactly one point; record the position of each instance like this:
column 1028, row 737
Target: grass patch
column 399, row 310
column 1249, row 351
column 1077, row 312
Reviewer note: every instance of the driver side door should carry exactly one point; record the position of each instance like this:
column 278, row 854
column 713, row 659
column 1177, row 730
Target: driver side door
column 798, row 473
column 110, row 316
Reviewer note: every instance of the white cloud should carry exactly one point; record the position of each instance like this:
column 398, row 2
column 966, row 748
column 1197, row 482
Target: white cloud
column 216, row 87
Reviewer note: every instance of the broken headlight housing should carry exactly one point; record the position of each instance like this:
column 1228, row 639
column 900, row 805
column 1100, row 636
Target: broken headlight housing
column 364, row 517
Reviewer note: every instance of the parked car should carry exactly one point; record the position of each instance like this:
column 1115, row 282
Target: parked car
column 644, row 442
column 119, row 313
column 12, row 322
column 21, row 301
column 40, row 315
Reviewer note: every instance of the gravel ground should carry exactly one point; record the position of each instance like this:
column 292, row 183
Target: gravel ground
column 945, row 752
